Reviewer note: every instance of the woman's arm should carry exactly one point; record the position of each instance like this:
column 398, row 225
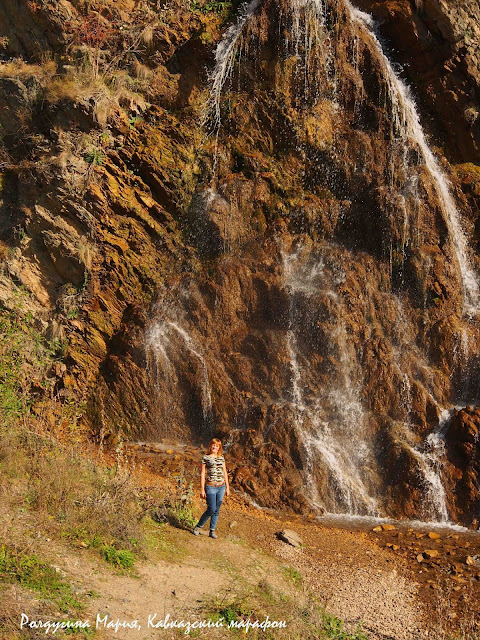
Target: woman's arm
column 225, row 477
column 202, row 482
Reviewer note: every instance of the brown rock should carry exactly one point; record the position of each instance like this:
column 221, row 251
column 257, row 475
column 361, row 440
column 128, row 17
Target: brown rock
column 290, row 537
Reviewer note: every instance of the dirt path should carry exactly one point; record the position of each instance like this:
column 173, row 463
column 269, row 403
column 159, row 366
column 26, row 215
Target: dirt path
column 353, row 578
column 341, row 570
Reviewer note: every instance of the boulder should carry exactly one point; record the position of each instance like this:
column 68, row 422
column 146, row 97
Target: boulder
column 290, row 537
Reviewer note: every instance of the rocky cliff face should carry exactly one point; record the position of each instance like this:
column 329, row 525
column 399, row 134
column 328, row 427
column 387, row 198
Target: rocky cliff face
column 297, row 275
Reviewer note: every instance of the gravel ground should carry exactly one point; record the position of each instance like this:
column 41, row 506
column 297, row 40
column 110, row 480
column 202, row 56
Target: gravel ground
column 383, row 601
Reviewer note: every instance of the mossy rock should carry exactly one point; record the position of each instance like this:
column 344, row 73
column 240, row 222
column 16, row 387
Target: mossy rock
column 469, row 175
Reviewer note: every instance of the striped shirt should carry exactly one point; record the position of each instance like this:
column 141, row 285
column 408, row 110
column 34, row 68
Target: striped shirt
column 214, row 466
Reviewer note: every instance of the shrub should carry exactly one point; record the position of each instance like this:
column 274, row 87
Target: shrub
column 121, row 558
column 293, row 575
column 95, row 157
column 177, row 505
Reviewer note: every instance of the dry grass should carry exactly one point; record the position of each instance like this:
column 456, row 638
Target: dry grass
column 13, row 602
column 141, row 71
column 17, row 68
column 107, row 94
column 67, row 493
column 70, row 496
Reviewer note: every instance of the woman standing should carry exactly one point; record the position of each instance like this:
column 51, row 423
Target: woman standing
column 213, row 485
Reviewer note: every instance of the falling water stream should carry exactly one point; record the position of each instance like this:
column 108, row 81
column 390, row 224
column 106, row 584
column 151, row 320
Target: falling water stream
column 332, row 425
column 406, row 123
column 160, row 343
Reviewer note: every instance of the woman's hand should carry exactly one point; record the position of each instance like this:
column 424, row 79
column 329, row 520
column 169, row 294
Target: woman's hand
column 227, row 491
column 203, row 495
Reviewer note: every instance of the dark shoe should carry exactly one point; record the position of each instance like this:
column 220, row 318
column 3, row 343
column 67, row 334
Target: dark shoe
column 196, row 531
column 212, row 534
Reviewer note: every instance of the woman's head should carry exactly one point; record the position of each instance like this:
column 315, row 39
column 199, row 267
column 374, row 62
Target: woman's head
column 215, row 447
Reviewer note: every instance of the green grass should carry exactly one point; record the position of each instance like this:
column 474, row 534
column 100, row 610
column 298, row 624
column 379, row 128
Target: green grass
column 122, row 558
column 293, row 575
column 95, row 157
column 162, row 542
column 29, row 571
column 86, row 633
column 333, row 630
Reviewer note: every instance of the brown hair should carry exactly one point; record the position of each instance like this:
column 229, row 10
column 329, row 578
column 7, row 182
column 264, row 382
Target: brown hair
column 215, row 441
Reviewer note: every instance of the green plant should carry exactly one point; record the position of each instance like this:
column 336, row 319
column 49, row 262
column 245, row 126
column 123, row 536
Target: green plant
column 293, row 575
column 95, row 157
column 120, row 557
column 230, row 611
column 133, row 121
column 211, row 6
column 333, row 629
column 177, row 506
column 38, row 576
column 83, row 632
column 106, row 139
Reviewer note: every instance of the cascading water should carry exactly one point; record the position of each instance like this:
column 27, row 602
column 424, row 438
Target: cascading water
column 161, row 343
column 333, row 424
column 331, row 427
column 308, row 29
column 225, row 58
column 407, row 127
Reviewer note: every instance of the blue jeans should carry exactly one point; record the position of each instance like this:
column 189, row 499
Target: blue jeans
column 214, row 500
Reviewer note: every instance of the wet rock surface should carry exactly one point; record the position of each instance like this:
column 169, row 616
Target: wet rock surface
column 437, row 42
column 292, row 282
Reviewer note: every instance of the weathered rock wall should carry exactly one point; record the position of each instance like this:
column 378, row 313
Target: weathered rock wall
column 288, row 282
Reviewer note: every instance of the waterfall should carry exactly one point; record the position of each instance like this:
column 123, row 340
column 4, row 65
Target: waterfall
column 206, row 391
column 429, row 456
column 161, row 343
column 225, row 56
column 308, row 29
column 330, row 426
column 407, row 126
column 331, row 423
